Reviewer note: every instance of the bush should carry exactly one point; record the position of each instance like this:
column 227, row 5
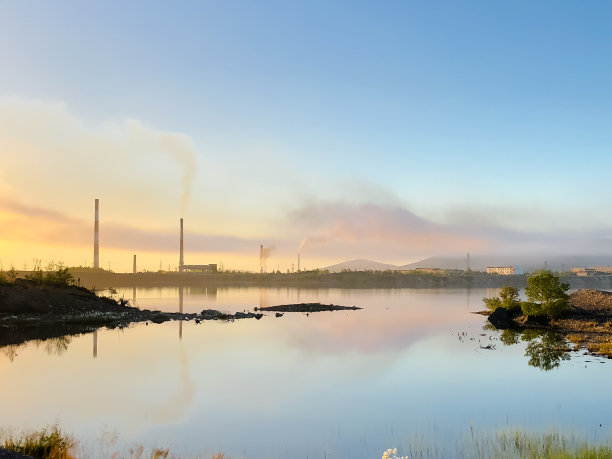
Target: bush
column 546, row 295
column 61, row 277
column 507, row 299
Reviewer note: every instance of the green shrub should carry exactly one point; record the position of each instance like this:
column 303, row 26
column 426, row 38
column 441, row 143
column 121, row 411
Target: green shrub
column 532, row 309
column 546, row 295
column 507, row 299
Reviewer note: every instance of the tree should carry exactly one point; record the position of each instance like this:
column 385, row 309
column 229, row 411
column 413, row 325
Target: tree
column 507, row 299
column 546, row 295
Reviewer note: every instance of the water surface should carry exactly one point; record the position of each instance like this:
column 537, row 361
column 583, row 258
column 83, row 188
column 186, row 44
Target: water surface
column 408, row 369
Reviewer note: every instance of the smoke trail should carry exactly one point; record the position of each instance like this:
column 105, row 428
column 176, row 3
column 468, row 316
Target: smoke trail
column 337, row 231
column 181, row 148
column 266, row 252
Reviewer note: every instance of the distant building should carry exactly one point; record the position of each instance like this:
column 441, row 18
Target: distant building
column 211, row 268
column 502, row 270
column 429, row 270
column 441, row 271
column 583, row 272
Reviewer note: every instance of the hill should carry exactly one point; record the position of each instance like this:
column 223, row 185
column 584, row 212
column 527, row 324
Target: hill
column 360, row 265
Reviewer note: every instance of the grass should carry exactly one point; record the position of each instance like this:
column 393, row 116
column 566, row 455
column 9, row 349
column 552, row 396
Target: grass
column 52, row 443
column 49, row 443
column 552, row 445
column 601, row 349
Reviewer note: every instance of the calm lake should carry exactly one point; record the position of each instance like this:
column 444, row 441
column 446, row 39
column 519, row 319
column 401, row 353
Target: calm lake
column 410, row 371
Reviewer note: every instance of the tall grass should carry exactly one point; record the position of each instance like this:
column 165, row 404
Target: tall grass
column 49, row 443
column 52, row 443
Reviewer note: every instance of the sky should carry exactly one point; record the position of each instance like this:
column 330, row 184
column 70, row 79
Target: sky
column 391, row 131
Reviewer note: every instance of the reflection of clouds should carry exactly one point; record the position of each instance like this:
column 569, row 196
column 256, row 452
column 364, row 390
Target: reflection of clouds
column 377, row 329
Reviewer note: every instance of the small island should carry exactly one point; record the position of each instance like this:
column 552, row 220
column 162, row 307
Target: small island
column 583, row 317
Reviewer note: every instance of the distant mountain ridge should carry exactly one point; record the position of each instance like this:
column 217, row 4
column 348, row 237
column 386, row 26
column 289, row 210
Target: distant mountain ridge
column 360, row 265
column 529, row 263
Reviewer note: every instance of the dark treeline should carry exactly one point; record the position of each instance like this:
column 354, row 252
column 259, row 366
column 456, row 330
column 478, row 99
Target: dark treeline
column 324, row 279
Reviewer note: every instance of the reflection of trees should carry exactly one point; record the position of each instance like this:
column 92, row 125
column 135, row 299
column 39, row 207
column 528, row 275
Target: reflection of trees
column 57, row 346
column 11, row 351
column 547, row 351
column 510, row 337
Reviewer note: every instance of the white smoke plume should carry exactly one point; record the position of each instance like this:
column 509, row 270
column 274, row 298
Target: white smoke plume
column 264, row 254
column 181, row 148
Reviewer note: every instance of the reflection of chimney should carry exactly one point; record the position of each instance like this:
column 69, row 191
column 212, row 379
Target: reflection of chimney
column 95, row 341
column 134, row 270
column 97, row 237
column 181, row 311
column 181, row 249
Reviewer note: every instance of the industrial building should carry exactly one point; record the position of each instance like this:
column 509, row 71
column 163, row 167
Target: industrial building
column 583, row 272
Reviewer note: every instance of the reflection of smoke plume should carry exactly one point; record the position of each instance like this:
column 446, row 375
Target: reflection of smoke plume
column 180, row 148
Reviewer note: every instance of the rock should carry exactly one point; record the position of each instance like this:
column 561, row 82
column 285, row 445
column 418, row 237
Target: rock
column 6, row 454
column 244, row 315
column 159, row 318
column 279, row 314
column 501, row 319
column 211, row 314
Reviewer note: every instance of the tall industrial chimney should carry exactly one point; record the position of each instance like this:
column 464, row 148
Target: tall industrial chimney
column 261, row 270
column 468, row 263
column 298, row 262
column 97, row 236
column 181, row 249
column 134, row 271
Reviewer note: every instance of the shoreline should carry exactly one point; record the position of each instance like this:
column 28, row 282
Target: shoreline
column 31, row 312
column 587, row 324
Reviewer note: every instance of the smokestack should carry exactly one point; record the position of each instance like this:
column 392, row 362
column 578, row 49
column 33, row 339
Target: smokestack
column 134, row 271
column 298, row 262
column 97, row 236
column 261, row 258
column 468, row 262
column 181, row 249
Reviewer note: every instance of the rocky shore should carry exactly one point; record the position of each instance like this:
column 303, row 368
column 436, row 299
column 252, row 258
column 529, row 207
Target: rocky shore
column 587, row 323
column 29, row 311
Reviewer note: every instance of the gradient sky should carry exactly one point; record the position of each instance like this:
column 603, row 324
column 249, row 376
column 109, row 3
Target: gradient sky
column 383, row 130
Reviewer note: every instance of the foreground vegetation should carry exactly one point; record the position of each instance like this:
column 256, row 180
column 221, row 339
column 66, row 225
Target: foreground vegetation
column 49, row 443
column 52, row 443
